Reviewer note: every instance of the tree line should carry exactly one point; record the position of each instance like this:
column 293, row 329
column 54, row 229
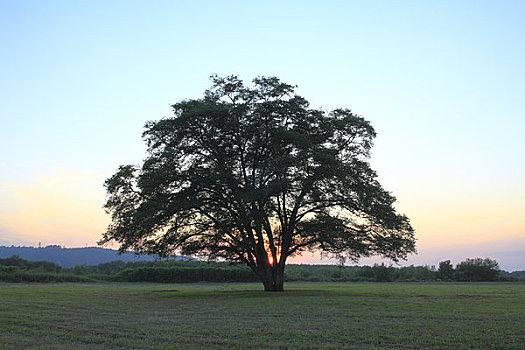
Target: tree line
column 16, row 269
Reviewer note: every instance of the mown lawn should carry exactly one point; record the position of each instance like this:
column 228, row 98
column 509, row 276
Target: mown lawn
column 241, row 316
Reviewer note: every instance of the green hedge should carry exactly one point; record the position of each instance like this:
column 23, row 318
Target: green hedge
column 15, row 269
column 187, row 274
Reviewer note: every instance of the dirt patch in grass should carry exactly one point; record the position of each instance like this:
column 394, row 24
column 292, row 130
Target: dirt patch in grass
column 456, row 296
column 470, row 296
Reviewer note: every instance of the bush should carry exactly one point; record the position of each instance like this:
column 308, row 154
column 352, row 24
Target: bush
column 178, row 274
column 27, row 276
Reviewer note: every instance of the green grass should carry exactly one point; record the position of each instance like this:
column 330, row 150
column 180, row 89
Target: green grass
column 237, row 316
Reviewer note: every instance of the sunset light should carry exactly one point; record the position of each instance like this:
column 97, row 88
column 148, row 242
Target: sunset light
column 262, row 174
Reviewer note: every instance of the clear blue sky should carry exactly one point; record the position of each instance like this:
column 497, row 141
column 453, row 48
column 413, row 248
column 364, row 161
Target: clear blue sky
column 443, row 83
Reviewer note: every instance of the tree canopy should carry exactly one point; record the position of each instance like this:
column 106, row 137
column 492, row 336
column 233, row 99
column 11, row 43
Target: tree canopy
column 477, row 269
column 254, row 174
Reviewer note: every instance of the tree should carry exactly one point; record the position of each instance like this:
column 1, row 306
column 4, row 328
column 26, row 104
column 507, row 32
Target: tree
column 446, row 270
column 477, row 269
column 254, row 175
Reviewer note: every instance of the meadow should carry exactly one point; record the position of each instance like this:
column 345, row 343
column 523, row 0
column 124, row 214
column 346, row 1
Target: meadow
column 242, row 316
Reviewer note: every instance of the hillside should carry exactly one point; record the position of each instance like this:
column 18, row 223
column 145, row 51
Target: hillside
column 69, row 257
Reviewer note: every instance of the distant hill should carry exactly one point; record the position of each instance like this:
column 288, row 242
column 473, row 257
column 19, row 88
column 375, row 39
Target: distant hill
column 69, row 257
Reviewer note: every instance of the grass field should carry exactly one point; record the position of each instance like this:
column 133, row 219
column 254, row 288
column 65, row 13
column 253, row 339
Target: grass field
column 241, row 316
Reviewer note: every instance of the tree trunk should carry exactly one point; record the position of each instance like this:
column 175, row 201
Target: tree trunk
column 273, row 279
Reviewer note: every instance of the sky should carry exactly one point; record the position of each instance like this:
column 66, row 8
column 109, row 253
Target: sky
column 442, row 82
